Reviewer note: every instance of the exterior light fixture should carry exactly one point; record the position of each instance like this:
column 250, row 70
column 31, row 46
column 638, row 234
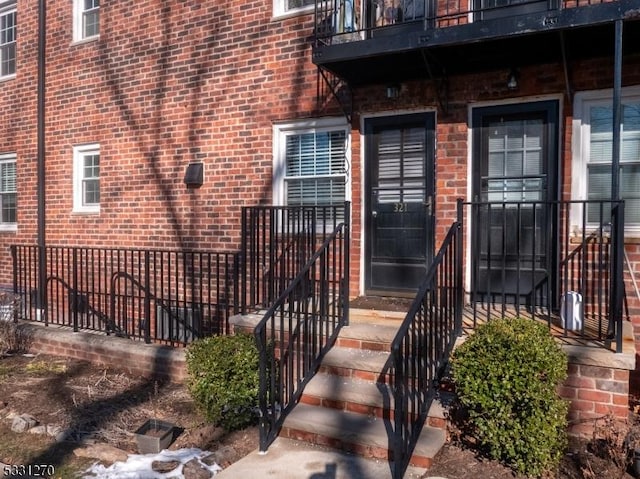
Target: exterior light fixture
column 393, row 91
column 194, row 176
column 512, row 82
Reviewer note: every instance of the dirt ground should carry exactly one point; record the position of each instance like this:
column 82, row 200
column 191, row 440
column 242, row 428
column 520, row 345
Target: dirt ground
column 603, row 456
column 99, row 405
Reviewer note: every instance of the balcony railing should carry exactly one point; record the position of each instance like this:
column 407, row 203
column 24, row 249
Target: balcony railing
column 339, row 21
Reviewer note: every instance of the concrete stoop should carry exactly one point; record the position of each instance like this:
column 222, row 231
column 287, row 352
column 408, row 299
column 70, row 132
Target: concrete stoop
column 349, row 406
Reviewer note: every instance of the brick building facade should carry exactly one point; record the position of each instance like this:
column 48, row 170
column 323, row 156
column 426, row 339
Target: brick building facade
column 136, row 91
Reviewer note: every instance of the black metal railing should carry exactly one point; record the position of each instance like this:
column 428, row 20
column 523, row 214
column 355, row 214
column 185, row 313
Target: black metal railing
column 171, row 297
column 277, row 242
column 421, row 348
column 530, row 258
column 340, row 21
column 301, row 325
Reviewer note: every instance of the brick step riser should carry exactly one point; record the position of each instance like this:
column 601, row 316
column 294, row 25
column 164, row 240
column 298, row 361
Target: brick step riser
column 366, row 451
column 366, row 409
column 355, row 343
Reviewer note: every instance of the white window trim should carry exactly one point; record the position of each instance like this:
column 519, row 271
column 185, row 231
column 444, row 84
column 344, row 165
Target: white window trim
column 78, row 10
column 7, row 7
column 581, row 142
column 280, row 12
column 7, row 158
column 280, row 131
column 78, row 175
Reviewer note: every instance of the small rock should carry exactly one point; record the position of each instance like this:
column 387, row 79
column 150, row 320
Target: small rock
column 102, row 452
column 11, row 414
column 163, row 467
column 53, row 430
column 62, row 436
column 42, row 429
column 222, row 456
column 23, row 423
column 193, row 470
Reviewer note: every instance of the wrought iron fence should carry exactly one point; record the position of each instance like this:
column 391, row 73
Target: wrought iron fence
column 171, row 297
column 303, row 322
column 421, row 348
column 532, row 258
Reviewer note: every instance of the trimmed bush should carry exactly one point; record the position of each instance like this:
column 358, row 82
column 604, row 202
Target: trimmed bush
column 506, row 376
column 223, row 379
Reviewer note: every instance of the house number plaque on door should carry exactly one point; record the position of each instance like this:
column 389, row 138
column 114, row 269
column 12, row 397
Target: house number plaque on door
column 399, row 207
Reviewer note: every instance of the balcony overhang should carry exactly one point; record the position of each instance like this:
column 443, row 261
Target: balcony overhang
column 399, row 53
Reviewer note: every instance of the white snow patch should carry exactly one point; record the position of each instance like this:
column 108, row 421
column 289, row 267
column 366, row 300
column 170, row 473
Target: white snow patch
column 138, row 466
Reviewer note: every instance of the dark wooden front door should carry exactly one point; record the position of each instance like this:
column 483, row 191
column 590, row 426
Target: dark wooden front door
column 515, row 163
column 400, row 201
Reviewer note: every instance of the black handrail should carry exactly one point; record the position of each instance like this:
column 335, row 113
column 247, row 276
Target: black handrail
column 421, row 348
column 299, row 328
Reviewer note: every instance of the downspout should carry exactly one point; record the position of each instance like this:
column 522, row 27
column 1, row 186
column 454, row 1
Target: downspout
column 42, row 272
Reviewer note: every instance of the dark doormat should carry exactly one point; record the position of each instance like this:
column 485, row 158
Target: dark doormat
column 381, row 303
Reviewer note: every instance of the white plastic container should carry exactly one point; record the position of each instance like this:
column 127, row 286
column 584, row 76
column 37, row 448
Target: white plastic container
column 571, row 313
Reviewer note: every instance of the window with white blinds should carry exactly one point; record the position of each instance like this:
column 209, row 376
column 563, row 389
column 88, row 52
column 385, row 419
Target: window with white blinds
column 315, row 168
column 311, row 162
column 8, row 192
column 401, row 165
column 594, row 166
column 599, row 164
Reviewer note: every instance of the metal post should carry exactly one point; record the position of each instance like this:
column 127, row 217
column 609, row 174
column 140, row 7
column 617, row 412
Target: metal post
column 615, row 311
column 347, row 262
column 459, row 257
column 42, row 272
column 617, row 114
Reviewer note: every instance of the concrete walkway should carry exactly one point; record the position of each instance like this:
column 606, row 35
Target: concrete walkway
column 287, row 459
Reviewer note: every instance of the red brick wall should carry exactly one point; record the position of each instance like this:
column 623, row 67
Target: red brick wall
column 146, row 360
column 594, row 392
column 180, row 81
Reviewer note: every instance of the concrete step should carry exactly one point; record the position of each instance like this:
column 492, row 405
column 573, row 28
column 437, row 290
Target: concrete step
column 349, row 394
column 357, row 433
column 363, row 364
column 375, row 336
column 365, row 397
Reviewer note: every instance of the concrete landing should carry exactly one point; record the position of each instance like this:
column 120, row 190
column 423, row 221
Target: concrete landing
column 288, row 459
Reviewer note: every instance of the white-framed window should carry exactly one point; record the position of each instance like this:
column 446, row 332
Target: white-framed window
column 311, row 162
column 592, row 152
column 283, row 8
column 86, row 178
column 8, row 193
column 8, row 35
column 86, row 19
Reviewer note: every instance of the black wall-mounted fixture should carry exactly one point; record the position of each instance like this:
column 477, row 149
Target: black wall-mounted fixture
column 194, row 176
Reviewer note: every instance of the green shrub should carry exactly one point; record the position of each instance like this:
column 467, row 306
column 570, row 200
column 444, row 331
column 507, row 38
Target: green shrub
column 506, row 377
column 223, row 379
